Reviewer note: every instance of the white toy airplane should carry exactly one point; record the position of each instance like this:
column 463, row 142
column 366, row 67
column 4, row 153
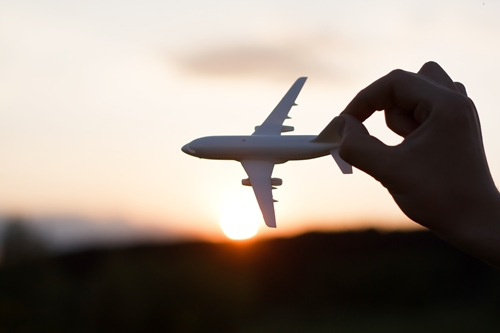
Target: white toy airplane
column 259, row 152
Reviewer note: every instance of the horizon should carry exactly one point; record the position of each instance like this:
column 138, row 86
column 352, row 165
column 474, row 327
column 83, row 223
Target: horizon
column 59, row 234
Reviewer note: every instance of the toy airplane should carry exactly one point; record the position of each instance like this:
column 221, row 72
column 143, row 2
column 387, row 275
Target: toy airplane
column 259, row 152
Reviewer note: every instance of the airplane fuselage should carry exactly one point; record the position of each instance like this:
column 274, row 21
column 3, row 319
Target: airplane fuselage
column 275, row 148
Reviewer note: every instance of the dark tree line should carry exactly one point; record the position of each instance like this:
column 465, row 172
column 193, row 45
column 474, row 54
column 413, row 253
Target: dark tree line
column 319, row 282
column 20, row 243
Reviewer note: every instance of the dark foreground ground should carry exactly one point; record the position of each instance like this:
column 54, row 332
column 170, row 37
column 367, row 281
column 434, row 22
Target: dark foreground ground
column 343, row 282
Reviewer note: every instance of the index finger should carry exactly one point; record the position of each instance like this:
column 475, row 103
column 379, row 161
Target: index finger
column 398, row 88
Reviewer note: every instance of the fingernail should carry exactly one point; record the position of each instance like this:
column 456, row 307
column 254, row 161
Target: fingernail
column 339, row 125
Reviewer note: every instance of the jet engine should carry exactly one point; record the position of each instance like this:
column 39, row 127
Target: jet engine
column 274, row 182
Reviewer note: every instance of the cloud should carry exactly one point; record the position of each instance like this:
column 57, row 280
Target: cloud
column 273, row 59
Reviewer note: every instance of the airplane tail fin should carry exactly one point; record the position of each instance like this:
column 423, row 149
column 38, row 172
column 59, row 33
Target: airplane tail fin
column 328, row 134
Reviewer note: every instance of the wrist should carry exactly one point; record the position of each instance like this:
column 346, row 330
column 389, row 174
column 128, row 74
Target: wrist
column 476, row 228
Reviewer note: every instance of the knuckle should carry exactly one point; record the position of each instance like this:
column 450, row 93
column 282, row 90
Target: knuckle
column 460, row 108
column 460, row 102
column 397, row 74
column 461, row 88
column 431, row 65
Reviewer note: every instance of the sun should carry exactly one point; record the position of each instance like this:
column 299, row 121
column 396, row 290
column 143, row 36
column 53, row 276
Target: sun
column 239, row 222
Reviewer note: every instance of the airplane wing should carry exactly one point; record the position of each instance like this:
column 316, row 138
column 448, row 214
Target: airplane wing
column 273, row 123
column 259, row 173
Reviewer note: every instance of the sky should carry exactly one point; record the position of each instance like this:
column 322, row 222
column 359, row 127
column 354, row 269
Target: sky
column 97, row 97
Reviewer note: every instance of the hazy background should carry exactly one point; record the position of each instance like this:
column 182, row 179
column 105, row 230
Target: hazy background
column 97, row 98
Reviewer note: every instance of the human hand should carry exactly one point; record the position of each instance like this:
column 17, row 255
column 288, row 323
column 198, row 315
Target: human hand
column 438, row 175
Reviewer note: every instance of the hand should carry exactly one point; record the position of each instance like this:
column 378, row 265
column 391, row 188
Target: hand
column 438, row 175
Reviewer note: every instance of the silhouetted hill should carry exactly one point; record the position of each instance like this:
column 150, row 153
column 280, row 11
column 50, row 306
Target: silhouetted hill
column 318, row 282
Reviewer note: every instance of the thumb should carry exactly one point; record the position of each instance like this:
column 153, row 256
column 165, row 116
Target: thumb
column 360, row 149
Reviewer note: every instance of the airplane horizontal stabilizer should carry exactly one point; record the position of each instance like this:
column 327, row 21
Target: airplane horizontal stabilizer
column 345, row 167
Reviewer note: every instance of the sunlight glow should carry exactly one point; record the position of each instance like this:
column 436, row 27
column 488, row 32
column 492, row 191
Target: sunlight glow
column 240, row 222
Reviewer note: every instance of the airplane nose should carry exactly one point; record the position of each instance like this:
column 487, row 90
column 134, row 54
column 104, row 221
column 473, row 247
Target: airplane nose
column 187, row 150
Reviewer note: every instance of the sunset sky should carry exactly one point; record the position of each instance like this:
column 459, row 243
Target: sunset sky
column 97, row 97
